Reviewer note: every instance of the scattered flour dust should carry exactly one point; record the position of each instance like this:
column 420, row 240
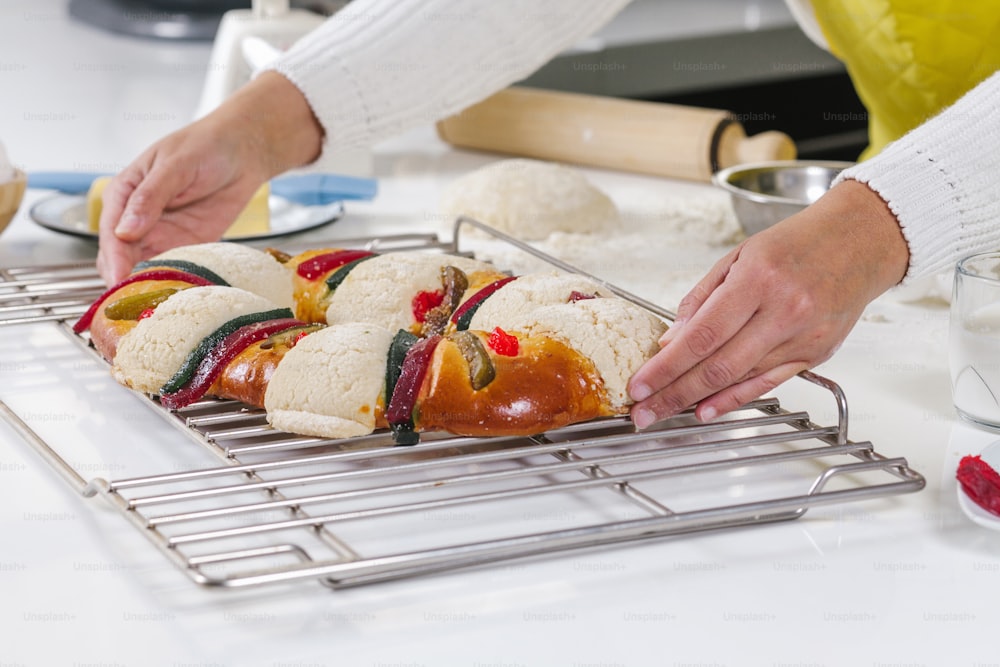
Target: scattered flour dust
column 665, row 244
column 703, row 218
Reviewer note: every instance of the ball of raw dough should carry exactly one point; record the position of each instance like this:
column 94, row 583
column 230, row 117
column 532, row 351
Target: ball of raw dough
column 530, row 199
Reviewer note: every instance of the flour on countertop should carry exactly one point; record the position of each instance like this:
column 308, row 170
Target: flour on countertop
column 662, row 278
column 704, row 219
column 667, row 242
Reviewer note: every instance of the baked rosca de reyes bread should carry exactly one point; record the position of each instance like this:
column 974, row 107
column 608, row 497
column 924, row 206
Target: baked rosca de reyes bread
column 337, row 343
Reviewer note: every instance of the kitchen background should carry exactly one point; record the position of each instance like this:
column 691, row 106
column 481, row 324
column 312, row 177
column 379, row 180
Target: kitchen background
column 898, row 581
column 748, row 57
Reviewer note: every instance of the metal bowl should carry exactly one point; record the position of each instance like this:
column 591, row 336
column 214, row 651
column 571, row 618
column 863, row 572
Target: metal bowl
column 764, row 193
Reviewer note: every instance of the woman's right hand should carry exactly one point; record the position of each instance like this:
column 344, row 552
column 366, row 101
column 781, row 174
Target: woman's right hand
column 780, row 303
column 190, row 186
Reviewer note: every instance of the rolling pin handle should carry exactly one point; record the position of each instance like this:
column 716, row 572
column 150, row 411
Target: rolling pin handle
column 766, row 147
column 734, row 147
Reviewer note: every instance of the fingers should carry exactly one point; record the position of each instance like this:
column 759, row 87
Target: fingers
column 694, row 299
column 730, row 365
column 733, row 397
column 781, row 303
column 147, row 201
column 115, row 258
column 186, row 188
column 132, row 204
column 724, row 314
column 114, row 261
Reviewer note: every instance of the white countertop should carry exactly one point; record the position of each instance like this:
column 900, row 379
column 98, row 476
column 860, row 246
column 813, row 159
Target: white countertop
column 898, row 581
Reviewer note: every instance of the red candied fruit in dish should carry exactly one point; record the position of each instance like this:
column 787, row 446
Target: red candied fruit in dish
column 980, row 482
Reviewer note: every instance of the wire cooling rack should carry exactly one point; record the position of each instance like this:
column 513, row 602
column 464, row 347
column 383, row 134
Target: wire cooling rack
column 277, row 507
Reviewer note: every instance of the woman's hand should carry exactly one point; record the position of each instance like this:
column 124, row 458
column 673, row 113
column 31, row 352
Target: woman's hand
column 191, row 185
column 780, row 303
column 186, row 188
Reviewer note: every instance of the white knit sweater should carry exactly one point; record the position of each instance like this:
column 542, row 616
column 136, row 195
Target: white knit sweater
column 942, row 181
column 378, row 67
column 382, row 66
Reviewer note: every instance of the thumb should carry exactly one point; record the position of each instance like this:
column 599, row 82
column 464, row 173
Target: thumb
column 144, row 206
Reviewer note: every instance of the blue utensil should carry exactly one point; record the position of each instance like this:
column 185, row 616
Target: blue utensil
column 305, row 189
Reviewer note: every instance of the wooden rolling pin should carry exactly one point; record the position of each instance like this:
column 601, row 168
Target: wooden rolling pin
column 645, row 137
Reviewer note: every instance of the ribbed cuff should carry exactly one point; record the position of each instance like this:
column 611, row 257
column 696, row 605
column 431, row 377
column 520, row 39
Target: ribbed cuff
column 941, row 182
column 923, row 199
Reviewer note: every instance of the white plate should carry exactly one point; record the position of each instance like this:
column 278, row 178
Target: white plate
column 991, row 455
column 67, row 214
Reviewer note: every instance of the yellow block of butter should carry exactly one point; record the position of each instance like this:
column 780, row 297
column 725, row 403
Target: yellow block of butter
column 255, row 218
column 94, row 202
column 252, row 220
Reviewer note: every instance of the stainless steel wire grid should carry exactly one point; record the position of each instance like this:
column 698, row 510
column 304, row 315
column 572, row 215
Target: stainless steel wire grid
column 278, row 507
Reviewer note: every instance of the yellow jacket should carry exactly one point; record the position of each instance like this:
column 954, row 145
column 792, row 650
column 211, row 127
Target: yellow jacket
column 909, row 59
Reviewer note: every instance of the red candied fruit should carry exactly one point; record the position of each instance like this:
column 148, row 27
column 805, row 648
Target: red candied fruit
column 980, row 482
column 425, row 301
column 146, row 313
column 503, row 343
column 299, row 336
column 575, row 296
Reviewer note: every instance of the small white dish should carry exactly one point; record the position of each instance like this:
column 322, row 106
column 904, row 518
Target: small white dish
column 991, row 455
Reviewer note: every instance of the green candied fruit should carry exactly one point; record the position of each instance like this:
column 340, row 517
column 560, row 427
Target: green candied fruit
column 183, row 265
column 481, row 369
column 403, row 434
column 401, row 344
column 187, row 369
column 132, row 306
column 338, row 276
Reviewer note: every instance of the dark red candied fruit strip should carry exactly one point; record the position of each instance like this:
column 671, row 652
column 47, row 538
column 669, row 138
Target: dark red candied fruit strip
column 154, row 274
column 320, row 265
column 980, row 482
column 220, row 356
column 411, row 376
column 476, row 299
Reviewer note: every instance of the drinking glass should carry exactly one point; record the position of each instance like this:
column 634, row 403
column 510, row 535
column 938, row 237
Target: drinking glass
column 974, row 339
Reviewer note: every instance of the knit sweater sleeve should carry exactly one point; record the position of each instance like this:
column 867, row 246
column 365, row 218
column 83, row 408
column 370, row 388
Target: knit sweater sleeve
column 379, row 67
column 942, row 181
